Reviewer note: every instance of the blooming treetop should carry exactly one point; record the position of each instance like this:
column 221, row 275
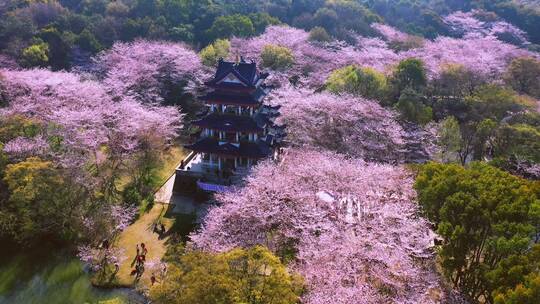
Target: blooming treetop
column 352, row 125
column 7, row 62
column 469, row 26
column 22, row 147
column 142, row 69
column 390, row 33
column 98, row 258
column 486, row 56
column 315, row 61
column 82, row 115
column 352, row 226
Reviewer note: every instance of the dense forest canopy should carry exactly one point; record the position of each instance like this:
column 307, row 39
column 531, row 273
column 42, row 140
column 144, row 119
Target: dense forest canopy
column 61, row 33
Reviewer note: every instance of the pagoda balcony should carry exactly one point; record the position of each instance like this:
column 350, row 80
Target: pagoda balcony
column 195, row 166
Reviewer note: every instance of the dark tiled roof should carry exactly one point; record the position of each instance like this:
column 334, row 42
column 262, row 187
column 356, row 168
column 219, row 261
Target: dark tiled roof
column 259, row 149
column 244, row 71
column 231, row 123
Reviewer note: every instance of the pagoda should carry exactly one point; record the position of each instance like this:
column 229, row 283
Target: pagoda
column 236, row 131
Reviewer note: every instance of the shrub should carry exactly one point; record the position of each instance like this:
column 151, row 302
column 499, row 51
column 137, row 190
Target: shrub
column 212, row 53
column 277, row 57
column 319, row 34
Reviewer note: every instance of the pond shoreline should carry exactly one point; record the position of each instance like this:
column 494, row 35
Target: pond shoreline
column 29, row 276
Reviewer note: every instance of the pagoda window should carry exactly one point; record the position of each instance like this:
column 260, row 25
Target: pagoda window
column 242, row 162
column 230, row 136
column 230, row 110
column 243, row 136
column 245, row 111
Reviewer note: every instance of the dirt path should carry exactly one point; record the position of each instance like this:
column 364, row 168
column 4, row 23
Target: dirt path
column 141, row 232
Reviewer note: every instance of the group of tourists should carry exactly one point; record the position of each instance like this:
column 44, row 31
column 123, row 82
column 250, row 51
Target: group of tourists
column 140, row 258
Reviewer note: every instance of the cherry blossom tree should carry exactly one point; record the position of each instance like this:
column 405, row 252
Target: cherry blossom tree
column 99, row 258
column 349, row 227
column 145, row 69
column 90, row 137
column 486, row 56
column 314, row 61
column 468, row 25
column 348, row 124
column 7, row 62
column 22, row 147
column 390, row 33
column 83, row 116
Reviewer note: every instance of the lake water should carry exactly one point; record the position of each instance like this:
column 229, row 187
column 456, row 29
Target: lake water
column 44, row 277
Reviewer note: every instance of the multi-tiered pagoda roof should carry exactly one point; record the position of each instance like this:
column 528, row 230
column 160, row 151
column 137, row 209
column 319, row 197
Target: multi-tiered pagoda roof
column 242, row 86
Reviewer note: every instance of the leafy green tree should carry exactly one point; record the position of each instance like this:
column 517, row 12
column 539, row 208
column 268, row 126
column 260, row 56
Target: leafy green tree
column 484, row 215
column 252, row 275
column 182, row 32
column 365, row 82
column 494, row 102
column 326, row 18
column 319, row 34
column 37, row 203
column 87, row 41
column 58, row 47
column 449, row 139
column 262, row 20
column 454, row 81
column 233, row 25
column 410, row 73
column 412, row 108
column 277, row 57
column 516, row 279
column 176, row 12
column 523, row 75
column 521, row 141
column 212, row 53
column 36, row 55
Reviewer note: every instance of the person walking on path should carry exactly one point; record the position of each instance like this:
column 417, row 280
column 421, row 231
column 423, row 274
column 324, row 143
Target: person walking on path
column 136, row 255
column 144, row 250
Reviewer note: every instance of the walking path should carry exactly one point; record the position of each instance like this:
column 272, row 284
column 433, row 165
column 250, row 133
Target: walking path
column 142, row 232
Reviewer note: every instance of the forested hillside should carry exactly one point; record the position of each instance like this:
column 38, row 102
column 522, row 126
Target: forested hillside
column 61, row 33
column 410, row 171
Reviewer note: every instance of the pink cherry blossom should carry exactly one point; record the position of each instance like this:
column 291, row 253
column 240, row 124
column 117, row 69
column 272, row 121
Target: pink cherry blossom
column 469, row 26
column 142, row 69
column 84, row 116
column 348, row 124
column 390, row 33
column 352, row 225
column 22, row 147
column 314, row 62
